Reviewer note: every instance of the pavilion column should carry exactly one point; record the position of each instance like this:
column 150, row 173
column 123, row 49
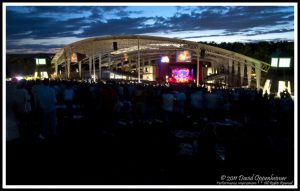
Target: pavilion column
column 129, row 64
column 249, row 71
column 242, row 72
column 226, row 67
column 79, row 68
column 143, row 67
column 230, row 66
column 94, row 68
column 100, row 62
column 236, row 72
column 109, row 62
column 56, row 69
column 215, row 69
column 212, row 67
column 90, row 66
column 258, row 75
column 236, row 68
column 198, row 67
column 149, row 61
column 68, row 68
column 139, row 64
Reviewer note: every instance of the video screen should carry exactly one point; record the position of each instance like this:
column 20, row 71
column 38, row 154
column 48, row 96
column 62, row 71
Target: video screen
column 184, row 56
column 284, row 62
column 40, row 61
column 181, row 75
column 74, row 57
column 274, row 62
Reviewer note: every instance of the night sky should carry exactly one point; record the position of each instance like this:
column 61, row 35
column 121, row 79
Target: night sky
column 31, row 29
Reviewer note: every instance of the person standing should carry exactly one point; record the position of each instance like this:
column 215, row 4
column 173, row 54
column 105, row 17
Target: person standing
column 46, row 100
column 23, row 107
column 35, row 110
column 68, row 98
column 168, row 100
column 12, row 122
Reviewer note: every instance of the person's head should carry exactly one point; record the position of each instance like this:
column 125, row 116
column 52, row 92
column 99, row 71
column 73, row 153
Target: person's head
column 14, row 82
column 37, row 81
column 281, row 95
column 21, row 83
column 68, row 84
column 46, row 81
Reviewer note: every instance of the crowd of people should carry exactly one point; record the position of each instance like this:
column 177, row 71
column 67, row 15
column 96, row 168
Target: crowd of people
column 40, row 109
column 119, row 101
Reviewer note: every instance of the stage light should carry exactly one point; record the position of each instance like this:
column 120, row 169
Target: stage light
column 19, row 77
column 165, row 59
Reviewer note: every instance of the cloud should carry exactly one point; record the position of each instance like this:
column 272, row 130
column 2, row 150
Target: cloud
column 22, row 25
column 232, row 19
column 122, row 26
column 270, row 32
column 207, row 18
column 45, row 25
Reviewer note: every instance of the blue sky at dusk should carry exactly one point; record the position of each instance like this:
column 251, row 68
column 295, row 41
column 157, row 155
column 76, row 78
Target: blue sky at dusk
column 31, row 29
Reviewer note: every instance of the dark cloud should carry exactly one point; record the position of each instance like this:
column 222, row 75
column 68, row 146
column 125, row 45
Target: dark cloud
column 123, row 13
column 23, row 25
column 235, row 33
column 209, row 18
column 119, row 27
column 72, row 9
column 42, row 22
column 215, row 35
column 99, row 12
column 235, row 19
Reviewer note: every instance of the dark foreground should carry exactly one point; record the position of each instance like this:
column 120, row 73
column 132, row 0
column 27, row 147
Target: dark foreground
column 90, row 152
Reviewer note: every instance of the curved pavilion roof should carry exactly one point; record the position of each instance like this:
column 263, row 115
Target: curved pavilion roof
column 150, row 46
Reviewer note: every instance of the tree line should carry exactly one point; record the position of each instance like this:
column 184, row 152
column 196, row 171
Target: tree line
column 260, row 50
column 24, row 64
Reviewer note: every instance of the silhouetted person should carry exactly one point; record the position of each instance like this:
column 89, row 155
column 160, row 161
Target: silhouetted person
column 68, row 98
column 168, row 106
column 12, row 123
column 47, row 105
column 23, row 107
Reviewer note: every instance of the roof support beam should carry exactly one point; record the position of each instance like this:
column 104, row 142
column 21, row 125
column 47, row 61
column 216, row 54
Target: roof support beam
column 139, row 60
column 198, row 66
